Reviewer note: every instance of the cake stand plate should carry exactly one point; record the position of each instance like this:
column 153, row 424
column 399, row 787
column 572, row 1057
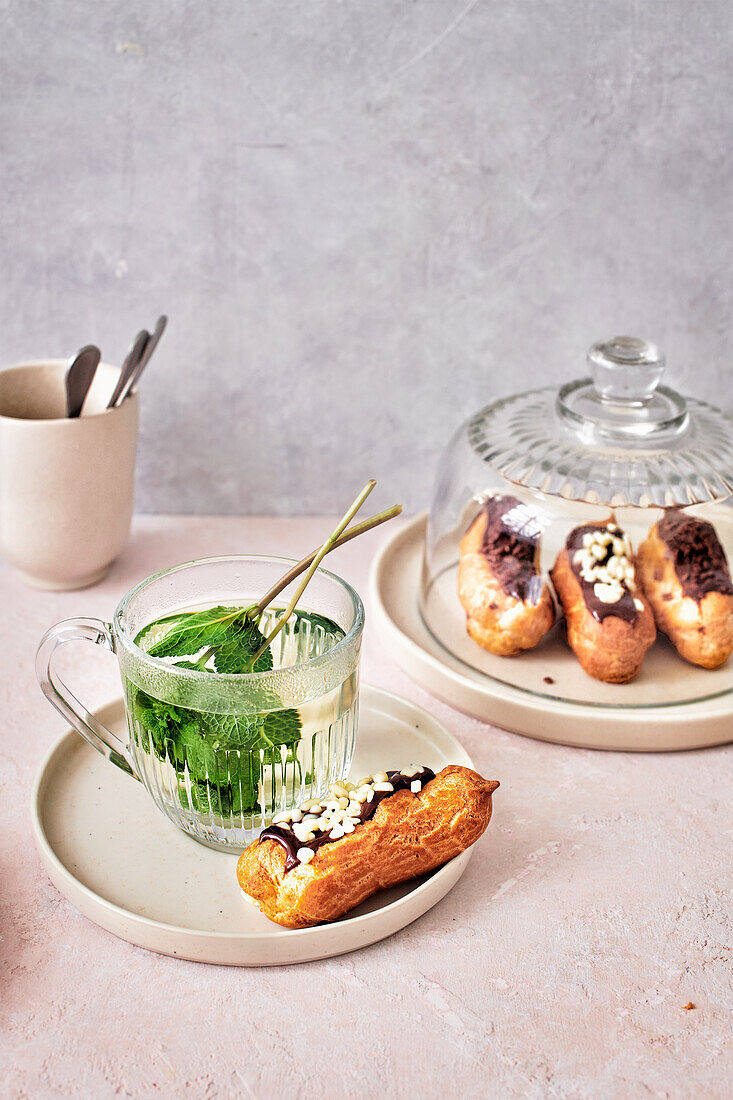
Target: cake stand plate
column 532, row 710
column 121, row 863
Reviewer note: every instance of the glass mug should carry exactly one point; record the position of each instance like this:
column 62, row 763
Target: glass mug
column 221, row 753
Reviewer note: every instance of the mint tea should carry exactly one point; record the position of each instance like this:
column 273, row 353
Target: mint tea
column 223, row 752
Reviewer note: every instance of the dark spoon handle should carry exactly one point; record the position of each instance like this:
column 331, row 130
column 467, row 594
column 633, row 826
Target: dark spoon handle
column 131, row 361
column 144, row 359
column 79, row 376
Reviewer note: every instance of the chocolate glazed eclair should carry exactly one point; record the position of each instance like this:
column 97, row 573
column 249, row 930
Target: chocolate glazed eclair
column 684, row 573
column 509, row 607
column 303, row 872
column 610, row 625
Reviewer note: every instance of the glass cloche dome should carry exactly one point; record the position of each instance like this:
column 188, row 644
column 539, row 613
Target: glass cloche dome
column 579, row 538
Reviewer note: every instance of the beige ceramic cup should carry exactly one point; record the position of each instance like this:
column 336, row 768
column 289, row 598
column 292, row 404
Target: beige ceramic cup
column 66, row 485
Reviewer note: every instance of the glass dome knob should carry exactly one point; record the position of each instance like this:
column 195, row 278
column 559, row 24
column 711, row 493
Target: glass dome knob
column 625, row 369
column 623, row 401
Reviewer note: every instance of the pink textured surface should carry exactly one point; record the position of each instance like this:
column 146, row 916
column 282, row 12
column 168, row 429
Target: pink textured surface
column 596, row 906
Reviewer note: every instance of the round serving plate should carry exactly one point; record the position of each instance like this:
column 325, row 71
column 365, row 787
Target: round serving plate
column 125, row 866
column 534, row 703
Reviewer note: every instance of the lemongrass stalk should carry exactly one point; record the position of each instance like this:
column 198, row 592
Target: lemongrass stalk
column 297, row 569
column 321, row 553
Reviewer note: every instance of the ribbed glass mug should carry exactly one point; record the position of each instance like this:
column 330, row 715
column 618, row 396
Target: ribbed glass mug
column 221, row 753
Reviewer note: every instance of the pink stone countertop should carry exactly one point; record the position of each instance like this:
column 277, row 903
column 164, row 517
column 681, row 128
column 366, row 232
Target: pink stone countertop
column 594, row 909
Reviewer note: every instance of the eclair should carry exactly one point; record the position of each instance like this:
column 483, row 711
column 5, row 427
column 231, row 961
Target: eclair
column 683, row 570
column 316, row 863
column 509, row 607
column 610, row 624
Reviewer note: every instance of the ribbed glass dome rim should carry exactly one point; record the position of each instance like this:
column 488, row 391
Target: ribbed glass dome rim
column 514, row 435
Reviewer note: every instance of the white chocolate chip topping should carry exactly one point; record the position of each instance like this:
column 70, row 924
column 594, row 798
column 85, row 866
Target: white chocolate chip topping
column 318, row 821
column 604, row 561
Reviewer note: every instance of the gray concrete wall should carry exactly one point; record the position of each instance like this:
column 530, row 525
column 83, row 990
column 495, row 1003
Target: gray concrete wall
column 364, row 218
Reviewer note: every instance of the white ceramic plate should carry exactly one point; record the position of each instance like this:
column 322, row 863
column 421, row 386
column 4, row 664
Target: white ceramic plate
column 111, row 852
column 529, row 708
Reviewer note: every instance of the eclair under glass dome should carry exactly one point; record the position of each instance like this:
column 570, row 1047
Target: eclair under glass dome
column 617, row 447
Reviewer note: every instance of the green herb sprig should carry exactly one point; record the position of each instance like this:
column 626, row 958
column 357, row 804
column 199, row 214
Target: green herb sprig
column 232, row 636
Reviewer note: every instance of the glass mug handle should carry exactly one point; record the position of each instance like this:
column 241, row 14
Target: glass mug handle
column 57, row 693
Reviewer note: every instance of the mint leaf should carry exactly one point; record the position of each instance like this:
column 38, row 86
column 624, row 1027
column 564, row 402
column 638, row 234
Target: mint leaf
column 210, row 754
column 161, row 721
column 228, row 635
column 199, row 629
column 234, row 731
column 235, row 654
column 254, row 732
column 244, row 796
column 315, row 620
column 282, row 727
column 155, row 627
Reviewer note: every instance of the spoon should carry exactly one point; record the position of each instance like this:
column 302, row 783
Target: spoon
column 144, row 359
column 131, row 360
column 79, row 374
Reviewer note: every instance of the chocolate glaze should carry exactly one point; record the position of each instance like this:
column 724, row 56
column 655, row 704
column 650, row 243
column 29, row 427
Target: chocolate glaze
column 699, row 559
column 625, row 608
column 509, row 544
column 290, row 842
